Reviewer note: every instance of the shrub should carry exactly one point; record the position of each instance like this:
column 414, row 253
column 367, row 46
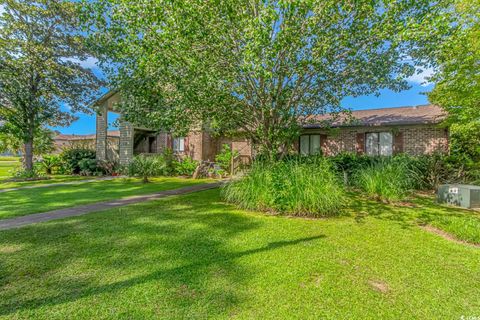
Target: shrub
column 169, row 160
column 72, row 157
column 346, row 164
column 107, row 167
column 146, row 166
column 88, row 167
column 292, row 187
column 21, row 173
column 49, row 163
column 185, row 166
column 224, row 158
column 386, row 180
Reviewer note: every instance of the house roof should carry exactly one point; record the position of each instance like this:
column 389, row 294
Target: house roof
column 409, row 115
column 76, row 137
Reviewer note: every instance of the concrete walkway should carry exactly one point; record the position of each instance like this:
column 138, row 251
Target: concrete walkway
column 66, row 183
column 99, row 206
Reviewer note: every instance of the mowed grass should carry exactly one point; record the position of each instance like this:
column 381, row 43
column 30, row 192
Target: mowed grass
column 194, row 257
column 27, row 201
column 6, row 168
column 7, row 183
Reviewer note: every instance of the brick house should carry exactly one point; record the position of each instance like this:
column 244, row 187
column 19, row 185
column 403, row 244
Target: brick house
column 412, row 130
column 65, row 141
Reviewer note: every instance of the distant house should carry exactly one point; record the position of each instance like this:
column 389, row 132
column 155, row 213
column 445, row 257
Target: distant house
column 88, row 141
column 411, row 130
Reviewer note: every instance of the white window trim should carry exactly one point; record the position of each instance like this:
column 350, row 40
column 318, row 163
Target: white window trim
column 379, row 148
column 178, row 144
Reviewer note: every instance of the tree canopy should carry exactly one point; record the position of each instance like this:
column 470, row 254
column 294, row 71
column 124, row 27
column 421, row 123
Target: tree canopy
column 258, row 67
column 41, row 79
column 457, row 80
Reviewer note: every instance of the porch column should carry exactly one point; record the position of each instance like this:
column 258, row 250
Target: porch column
column 126, row 142
column 101, row 133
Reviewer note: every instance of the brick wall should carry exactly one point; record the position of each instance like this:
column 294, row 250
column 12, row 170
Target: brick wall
column 126, row 142
column 101, row 133
column 417, row 140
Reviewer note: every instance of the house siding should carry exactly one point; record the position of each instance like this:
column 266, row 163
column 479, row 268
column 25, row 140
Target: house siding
column 416, row 139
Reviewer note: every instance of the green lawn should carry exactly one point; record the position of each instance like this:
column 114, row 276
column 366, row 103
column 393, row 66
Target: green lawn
column 194, row 257
column 27, row 201
column 6, row 167
column 9, row 158
column 6, row 184
column 422, row 210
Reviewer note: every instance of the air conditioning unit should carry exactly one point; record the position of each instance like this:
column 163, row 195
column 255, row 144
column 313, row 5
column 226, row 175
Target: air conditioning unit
column 461, row 195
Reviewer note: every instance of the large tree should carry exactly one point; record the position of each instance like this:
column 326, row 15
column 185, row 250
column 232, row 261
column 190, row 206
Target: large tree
column 41, row 79
column 457, row 80
column 256, row 66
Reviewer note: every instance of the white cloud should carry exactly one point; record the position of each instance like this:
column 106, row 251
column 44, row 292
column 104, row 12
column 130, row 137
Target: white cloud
column 420, row 76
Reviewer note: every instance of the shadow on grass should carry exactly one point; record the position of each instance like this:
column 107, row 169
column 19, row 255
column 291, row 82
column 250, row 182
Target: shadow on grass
column 180, row 245
column 27, row 201
column 421, row 210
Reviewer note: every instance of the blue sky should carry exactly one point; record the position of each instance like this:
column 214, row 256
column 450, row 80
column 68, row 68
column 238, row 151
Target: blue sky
column 414, row 96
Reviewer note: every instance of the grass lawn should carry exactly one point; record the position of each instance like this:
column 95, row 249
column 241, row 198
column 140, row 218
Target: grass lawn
column 193, row 256
column 27, row 201
column 9, row 158
column 5, row 184
column 422, row 210
column 6, row 167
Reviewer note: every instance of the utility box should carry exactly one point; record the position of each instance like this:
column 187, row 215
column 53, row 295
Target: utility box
column 461, row 195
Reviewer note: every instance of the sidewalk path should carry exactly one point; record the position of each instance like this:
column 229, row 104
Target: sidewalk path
column 99, row 206
column 67, row 183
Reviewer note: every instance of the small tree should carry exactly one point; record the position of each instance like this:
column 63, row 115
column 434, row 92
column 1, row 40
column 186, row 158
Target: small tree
column 40, row 82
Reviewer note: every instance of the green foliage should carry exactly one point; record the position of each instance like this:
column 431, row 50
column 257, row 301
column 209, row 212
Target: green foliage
column 386, row 180
column 42, row 141
column 347, row 163
column 146, row 166
column 224, row 158
column 185, row 166
column 170, row 160
column 259, row 66
column 71, row 159
column 457, row 80
column 50, row 162
column 40, row 71
column 88, row 167
column 23, row 174
column 291, row 187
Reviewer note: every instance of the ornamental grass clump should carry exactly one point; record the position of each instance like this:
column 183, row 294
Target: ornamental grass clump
column 388, row 181
column 143, row 166
column 290, row 187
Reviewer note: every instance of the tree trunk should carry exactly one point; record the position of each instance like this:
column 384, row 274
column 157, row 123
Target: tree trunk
column 28, row 155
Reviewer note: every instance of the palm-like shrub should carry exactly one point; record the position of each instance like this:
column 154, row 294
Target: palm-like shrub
column 291, row 187
column 386, row 180
column 50, row 162
column 146, row 166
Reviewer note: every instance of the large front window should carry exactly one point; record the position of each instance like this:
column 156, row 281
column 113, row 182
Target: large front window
column 310, row 144
column 379, row 143
column 179, row 144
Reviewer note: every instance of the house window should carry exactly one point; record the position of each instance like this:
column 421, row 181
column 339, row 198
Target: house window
column 379, row 143
column 179, row 144
column 310, row 144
